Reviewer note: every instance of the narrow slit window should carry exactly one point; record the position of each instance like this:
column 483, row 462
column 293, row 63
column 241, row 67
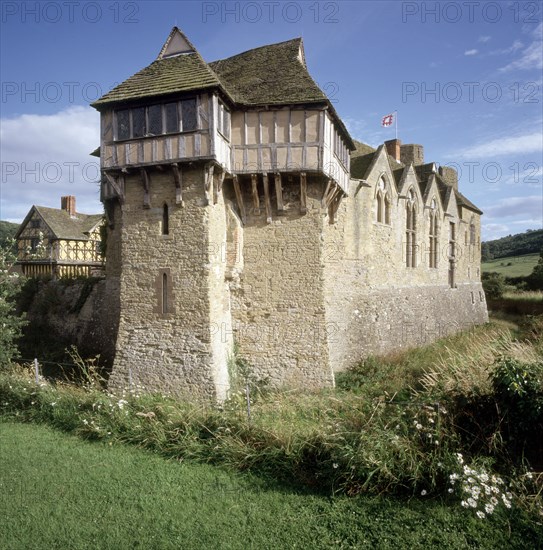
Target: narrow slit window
column 165, row 220
column 164, row 294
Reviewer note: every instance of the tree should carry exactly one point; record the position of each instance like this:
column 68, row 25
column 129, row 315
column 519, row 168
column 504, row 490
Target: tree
column 10, row 323
column 493, row 285
column 535, row 279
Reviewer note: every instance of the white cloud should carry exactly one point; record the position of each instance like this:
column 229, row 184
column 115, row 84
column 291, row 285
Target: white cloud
column 46, row 156
column 524, row 143
column 471, row 52
column 512, row 207
column 532, row 56
column 484, row 39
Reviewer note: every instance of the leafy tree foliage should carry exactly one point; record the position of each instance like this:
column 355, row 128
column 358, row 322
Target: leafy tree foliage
column 493, row 285
column 535, row 279
column 10, row 323
column 529, row 242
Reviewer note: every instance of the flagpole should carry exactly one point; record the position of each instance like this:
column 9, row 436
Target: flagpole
column 396, row 125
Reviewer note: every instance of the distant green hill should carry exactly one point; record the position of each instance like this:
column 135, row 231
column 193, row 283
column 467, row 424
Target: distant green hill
column 512, row 266
column 7, row 231
column 529, row 242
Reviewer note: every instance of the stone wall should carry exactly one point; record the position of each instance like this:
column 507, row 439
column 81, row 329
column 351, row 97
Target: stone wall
column 172, row 348
column 278, row 305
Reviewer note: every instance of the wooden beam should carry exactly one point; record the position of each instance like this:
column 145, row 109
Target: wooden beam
column 326, row 192
column 145, row 179
column 279, row 194
column 303, row 193
column 209, row 182
column 119, row 190
column 239, row 198
column 217, row 188
column 254, row 190
column 267, row 198
column 177, row 178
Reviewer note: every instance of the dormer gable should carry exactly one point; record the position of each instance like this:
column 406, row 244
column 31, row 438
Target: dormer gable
column 176, row 44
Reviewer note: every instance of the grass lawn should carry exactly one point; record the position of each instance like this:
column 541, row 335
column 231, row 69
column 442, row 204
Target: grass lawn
column 521, row 266
column 61, row 492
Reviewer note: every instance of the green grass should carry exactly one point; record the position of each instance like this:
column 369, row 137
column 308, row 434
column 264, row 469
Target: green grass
column 60, row 492
column 521, row 266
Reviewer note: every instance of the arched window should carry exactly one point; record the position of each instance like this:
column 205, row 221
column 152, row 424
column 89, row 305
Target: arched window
column 379, row 205
column 387, row 209
column 165, row 220
column 472, row 232
column 382, row 199
column 433, row 234
column 411, row 231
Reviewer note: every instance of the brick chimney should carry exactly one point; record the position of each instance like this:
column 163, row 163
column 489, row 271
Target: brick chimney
column 412, row 153
column 449, row 176
column 393, row 148
column 68, row 204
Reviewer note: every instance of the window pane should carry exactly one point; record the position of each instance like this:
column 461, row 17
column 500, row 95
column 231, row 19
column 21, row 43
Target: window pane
column 226, row 124
column 188, row 115
column 172, row 120
column 154, row 116
column 123, row 124
column 138, row 122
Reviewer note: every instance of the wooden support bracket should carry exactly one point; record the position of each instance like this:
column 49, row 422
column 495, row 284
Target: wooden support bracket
column 177, row 178
column 209, row 182
column 254, row 191
column 326, row 193
column 267, row 198
column 279, row 194
column 146, row 183
column 118, row 187
column 217, row 188
column 303, row 193
column 239, row 198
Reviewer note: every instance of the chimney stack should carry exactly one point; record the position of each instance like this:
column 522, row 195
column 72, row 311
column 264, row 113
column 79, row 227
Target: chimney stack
column 393, row 148
column 68, row 204
column 449, row 176
column 412, row 153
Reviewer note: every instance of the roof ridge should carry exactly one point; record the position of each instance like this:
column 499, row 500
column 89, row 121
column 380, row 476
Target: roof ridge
column 299, row 39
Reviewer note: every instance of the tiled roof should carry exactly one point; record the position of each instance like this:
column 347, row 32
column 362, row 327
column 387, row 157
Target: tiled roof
column 269, row 75
column 463, row 201
column 182, row 73
column 66, row 227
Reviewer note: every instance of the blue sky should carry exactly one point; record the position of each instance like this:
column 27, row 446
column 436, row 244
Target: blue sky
column 465, row 78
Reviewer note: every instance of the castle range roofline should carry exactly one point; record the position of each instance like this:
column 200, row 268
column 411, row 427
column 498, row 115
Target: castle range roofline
column 273, row 75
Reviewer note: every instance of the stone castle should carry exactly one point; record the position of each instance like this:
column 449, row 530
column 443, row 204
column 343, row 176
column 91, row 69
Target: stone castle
column 242, row 214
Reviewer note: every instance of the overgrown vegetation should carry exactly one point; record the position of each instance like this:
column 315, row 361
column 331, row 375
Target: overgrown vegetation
column 68, row 493
column 10, row 323
column 408, row 424
column 7, row 234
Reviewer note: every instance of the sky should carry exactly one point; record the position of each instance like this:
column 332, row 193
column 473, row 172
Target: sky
column 464, row 77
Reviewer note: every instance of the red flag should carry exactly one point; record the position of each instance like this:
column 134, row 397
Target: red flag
column 388, row 120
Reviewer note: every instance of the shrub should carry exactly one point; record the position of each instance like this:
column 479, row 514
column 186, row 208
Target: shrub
column 493, row 285
column 10, row 323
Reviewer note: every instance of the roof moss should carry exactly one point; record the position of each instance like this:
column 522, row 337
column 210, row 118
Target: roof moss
column 182, row 73
column 64, row 226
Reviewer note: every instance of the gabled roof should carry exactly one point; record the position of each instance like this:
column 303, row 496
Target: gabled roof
column 269, row 75
column 62, row 225
column 182, row 73
column 364, row 156
column 466, row 203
